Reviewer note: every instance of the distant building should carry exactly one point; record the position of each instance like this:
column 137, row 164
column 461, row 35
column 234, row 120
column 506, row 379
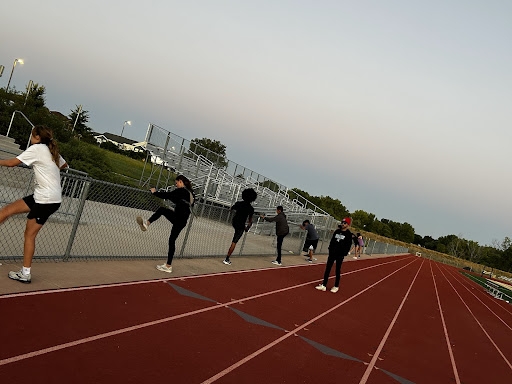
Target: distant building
column 121, row 142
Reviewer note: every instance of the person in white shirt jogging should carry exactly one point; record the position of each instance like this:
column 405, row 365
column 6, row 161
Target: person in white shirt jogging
column 44, row 156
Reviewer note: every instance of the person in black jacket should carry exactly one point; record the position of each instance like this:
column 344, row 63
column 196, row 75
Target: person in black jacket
column 244, row 212
column 339, row 246
column 282, row 230
column 183, row 197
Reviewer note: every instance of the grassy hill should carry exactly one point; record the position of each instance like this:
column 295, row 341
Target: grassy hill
column 106, row 165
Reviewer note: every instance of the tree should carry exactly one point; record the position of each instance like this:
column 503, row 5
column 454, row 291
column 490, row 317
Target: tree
column 363, row 220
column 456, row 247
column 213, row 150
column 473, row 249
column 406, row 233
column 80, row 128
column 36, row 96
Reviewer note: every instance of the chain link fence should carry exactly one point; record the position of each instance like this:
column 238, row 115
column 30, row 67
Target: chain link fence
column 97, row 220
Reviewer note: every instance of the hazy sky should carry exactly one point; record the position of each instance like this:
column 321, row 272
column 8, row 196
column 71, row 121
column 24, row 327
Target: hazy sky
column 400, row 108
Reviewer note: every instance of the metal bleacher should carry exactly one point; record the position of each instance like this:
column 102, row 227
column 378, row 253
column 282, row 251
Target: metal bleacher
column 220, row 181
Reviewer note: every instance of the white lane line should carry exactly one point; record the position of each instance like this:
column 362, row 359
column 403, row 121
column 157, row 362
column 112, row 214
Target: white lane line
column 371, row 365
column 293, row 332
column 486, row 306
column 478, row 322
column 445, row 329
column 50, row 291
column 164, row 320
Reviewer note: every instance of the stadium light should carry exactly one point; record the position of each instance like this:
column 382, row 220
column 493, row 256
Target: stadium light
column 14, row 65
column 126, row 122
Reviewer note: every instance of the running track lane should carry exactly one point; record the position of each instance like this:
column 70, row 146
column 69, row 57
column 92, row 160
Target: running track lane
column 132, row 353
column 65, row 357
column 476, row 354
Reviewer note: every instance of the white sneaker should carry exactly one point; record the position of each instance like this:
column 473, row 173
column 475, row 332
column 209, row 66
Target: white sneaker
column 321, row 287
column 143, row 226
column 164, row 268
column 227, row 262
column 275, row 262
column 355, row 257
column 20, row 276
column 334, row 289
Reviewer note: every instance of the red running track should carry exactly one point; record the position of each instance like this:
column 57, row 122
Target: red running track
column 400, row 319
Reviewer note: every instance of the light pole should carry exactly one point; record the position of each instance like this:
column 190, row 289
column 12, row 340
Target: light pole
column 9, row 82
column 126, row 122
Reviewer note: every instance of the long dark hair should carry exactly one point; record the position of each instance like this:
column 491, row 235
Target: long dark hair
column 186, row 182
column 46, row 136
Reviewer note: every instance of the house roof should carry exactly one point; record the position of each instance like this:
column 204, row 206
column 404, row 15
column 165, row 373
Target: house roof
column 118, row 139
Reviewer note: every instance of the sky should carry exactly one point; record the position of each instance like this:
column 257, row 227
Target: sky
column 399, row 108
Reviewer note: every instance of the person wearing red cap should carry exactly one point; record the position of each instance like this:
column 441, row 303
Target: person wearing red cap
column 338, row 248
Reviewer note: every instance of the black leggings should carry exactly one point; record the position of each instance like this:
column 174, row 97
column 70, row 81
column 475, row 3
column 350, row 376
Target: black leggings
column 280, row 239
column 177, row 225
column 330, row 261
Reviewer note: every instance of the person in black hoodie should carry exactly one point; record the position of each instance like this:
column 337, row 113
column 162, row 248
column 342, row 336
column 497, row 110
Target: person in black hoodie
column 282, row 230
column 244, row 212
column 183, row 197
column 339, row 246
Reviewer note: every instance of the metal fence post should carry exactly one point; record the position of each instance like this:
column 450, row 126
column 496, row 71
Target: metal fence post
column 186, row 233
column 77, row 220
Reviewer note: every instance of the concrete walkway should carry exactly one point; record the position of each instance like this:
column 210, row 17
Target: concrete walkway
column 55, row 275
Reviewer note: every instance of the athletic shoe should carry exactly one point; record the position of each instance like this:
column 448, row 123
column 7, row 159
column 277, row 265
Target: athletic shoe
column 355, row 257
column 309, row 260
column 321, row 287
column 227, row 262
column 20, row 276
column 275, row 262
column 143, row 226
column 164, row 268
column 334, row 289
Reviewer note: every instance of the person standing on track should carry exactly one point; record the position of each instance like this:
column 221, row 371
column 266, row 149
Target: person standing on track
column 43, row 155
column 338, row 248
column 311, row 239
column 183, row 197
column 282, row 230
column 358, row 246
column 244, row 211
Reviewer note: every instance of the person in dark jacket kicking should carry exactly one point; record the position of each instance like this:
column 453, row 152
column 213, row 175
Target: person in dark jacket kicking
column 183, row 197
column 282, row 230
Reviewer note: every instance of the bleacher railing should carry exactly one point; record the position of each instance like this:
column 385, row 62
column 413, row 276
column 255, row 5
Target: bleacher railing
column 217, row 178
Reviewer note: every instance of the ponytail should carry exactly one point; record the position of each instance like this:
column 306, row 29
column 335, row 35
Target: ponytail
column 186, row 182
column 54, row 150
column 46, row 136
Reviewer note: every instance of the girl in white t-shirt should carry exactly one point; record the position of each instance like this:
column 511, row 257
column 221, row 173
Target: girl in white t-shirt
column 44, row 156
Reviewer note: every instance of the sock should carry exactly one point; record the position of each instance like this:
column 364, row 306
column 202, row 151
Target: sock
column 26, row 271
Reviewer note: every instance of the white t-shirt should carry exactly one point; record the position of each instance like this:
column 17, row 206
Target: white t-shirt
column 47, row 174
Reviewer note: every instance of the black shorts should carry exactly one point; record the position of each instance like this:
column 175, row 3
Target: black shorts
column 40, row 212
column 238, row 234
column 310, row 244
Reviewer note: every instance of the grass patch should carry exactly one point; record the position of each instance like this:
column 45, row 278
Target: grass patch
column 130, row 170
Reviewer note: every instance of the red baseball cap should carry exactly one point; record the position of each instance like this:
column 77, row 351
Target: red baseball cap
column 348, row 220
